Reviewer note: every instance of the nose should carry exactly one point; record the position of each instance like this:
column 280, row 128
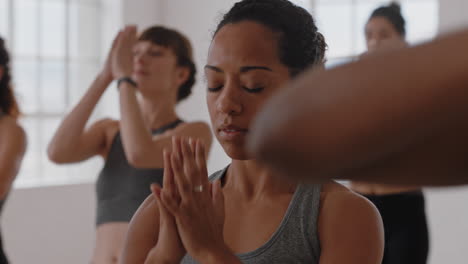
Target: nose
column 139, row 58
column 229, row 102
column 373, row 44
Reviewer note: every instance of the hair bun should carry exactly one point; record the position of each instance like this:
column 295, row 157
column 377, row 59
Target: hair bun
column 395, row 6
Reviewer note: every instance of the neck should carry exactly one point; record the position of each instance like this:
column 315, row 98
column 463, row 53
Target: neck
column 255, row 181
column 157, row 113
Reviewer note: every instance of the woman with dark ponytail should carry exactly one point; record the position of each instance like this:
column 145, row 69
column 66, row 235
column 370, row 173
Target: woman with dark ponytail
column 245, row 212
column 386, row 29
column 402, row 207
column 12, row 136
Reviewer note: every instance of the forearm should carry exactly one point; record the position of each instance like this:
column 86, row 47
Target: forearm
column 355, row 114
column 68, row 135
column 136, row 136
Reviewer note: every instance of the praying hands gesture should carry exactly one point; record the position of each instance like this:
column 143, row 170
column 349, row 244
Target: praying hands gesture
column 191, row 208
column 121, row 63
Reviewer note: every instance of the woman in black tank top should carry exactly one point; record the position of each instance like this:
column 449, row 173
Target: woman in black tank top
column 157, row 65
column 12, row 135
column 402, row 207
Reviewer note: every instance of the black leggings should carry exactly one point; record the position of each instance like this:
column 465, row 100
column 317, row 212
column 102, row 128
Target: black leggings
column 406, row 234
column 3, row 258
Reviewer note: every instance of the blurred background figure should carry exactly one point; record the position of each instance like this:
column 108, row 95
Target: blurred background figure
column 56, row 48
column 402, row 207
column 158, row 66
column 12, row 135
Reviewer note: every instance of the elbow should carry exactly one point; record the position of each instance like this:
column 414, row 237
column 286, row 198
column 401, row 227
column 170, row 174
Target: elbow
column 55, row 156
column 137, row 159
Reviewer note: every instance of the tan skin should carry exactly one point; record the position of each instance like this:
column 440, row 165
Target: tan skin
column 381, row 36
column 155, row 70
column 401, row 124
column 12, row 148
column 243, row 71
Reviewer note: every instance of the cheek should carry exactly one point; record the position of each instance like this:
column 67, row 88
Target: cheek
column 211, row 104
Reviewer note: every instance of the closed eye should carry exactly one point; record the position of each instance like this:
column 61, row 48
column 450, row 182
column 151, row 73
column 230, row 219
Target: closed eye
column 253, row 90
column 215, row 89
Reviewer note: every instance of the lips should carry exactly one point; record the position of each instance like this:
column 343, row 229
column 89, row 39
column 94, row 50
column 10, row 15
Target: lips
column 140, row 72
column 231, row 132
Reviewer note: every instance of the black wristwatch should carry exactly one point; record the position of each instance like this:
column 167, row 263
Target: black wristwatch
column 127, row 80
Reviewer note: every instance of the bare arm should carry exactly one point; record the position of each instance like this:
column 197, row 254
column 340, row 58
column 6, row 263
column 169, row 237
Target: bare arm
column 72, row 142
column 350, row 230
column 12, row 149
column 141, row 148
column 359, row 115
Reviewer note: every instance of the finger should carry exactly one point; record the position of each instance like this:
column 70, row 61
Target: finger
column 155, row 190
column 182, row 186
column 217, row 192
column 176, row 147
column 190, row 168
column 168, row 179
column 218, row 202
column 201, row 162
column 116, row 39
column 165, row 217
column 193, row 145
column 134, row 33
column 169, row 203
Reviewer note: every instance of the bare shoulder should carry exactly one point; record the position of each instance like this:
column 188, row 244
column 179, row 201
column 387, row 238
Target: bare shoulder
column 146, row 213
column 337, row 199
column 13, row 133
column 349, row 223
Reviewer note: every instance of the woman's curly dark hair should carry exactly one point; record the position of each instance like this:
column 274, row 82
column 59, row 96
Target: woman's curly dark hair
column 300, row 43
column 392, row 13
column 182, row 48
column 8, row 102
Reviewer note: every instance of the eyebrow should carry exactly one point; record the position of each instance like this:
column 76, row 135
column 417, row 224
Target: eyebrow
column 243, row 69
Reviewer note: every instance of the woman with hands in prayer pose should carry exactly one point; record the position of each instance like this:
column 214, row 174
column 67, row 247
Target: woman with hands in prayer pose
column 246, row 212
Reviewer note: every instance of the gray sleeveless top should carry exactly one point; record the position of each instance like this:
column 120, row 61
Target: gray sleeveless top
column 296, row 239
column 121, row 188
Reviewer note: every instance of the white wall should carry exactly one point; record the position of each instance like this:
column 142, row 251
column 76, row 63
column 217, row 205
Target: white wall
column 50, row 225
column 56, row 224
column 447, row 208
column 453, row 14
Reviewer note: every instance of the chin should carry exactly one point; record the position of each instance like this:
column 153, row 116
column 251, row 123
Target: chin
column 236, row 152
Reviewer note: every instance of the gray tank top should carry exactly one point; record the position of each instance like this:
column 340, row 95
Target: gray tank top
column 296, row 239
column 121, row 188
